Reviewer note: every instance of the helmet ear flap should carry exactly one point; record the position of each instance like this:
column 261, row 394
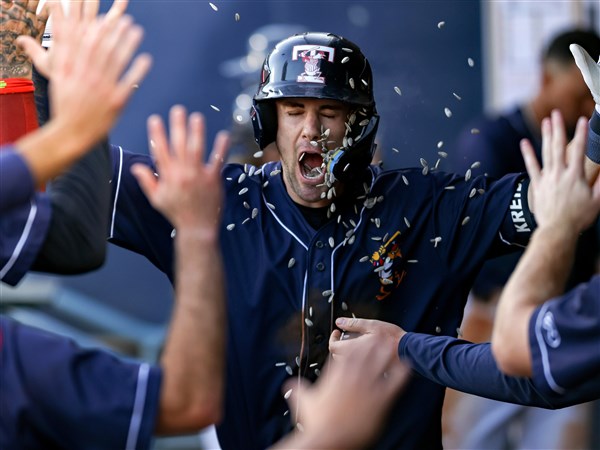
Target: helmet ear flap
column 264, row 121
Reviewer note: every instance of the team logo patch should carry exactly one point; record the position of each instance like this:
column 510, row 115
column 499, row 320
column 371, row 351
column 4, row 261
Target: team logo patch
column 312, row 55
column 551, row 334
column 386, row 261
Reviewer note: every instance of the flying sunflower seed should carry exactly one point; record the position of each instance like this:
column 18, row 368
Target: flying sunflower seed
column 398, row 91
column 289, row 370
column 465, row 220
column 241, row 178
column 468, row 175
column 449, row 188
column 472, row 193
column 254, row 213
column 440, row 144
column 258, row 154
column 458, row 97
column 405, row 180
column 413, row 261
column 474, row 131
column 308, row 322
column 438, row 330
column 345, row 59
column 407, row 222
column 215, row 108
column 351, row 83
column 344, row 306
column 443, row 154
column 231, row 226
column 448, row 112
column 475, row 165
column 245, row 220
column 271, row 206
column 349, row 50
column 279, row 364
column 291, row 263
column 213, row 6
column 243, row 191
column 396, row 150
column 470, row 62
column 327, row 293
column 441, row 24
column 237, row 17
column 331, row 242
column 364, row 259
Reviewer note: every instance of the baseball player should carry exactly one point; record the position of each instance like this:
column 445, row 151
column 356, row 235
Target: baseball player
column 321, row 234
column 538, row 333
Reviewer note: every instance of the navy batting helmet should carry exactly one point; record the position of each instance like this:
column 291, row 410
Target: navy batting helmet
column 323, row 66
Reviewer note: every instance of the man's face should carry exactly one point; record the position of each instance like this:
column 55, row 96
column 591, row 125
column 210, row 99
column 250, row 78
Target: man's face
column 571, row 96
column 300, row 122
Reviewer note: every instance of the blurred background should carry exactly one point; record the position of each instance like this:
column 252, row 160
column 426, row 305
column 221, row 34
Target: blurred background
column 436, row 65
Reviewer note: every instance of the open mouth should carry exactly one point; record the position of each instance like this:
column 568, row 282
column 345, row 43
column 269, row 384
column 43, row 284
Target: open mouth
column 311, row 165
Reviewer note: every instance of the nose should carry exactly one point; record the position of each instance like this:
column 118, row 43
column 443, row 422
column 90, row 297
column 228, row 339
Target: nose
column 311, row 129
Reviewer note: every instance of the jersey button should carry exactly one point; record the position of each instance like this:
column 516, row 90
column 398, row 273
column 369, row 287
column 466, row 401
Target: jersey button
column 320, row 267
column 319, row 244
column 319, row 338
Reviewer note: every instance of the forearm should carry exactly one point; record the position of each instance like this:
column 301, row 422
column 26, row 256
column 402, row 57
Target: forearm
column 193, row 358
column 541, row 274
column 80, row 198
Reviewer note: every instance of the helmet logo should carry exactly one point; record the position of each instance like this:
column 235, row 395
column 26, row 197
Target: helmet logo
column 312, row 55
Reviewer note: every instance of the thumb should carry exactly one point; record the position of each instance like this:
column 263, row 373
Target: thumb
column 146, row 179
column 354, row 324
column 36, row 53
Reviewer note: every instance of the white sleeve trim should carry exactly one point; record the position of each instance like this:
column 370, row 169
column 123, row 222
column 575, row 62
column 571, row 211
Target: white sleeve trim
column 138, row 406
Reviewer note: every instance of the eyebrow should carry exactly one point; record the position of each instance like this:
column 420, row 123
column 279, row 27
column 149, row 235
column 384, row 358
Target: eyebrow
column 297, row 104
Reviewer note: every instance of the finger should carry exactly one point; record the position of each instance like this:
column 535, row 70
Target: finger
column 196, row 138
column 117, row 9
column 220, row 149
column 157, row 140
column 75, row 10
column 32, row 49
column 546, row 142
column 531, row 162
column 559, row 139
column 295, row 390
column 132, row 78
column 596, row 193
column 177, row 129
column 354, row 324
column 90, row 10
column 119, row 56
column 146, row 179
column 576, row 152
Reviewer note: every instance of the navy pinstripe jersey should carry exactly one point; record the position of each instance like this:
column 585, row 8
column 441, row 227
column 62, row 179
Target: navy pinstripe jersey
column 55, row 395
column 24, row 218
column 405, row 252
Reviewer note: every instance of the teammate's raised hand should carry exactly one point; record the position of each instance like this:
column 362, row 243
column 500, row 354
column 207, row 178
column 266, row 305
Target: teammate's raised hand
column 187, row 190
column 560, row 193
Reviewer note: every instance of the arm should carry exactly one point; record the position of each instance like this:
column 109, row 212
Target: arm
column 565, row 206
column 189, row 194
column 330, row 414
column 88, row 95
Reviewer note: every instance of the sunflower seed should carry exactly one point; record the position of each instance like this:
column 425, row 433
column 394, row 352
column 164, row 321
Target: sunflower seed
column 327, row 293
column 291, row 263
column 258, row 154
column 472, row 193
column 398, row 91
column 413, row 261
column 243, row 191
column 349, row 50
column 470, row 62
column 474, row 131
column 405, row 180
column 241, row 178
column 449, row 188
column 245, row 220
column 468, row 175
column 213, row 6
column 475, row 165
column 331, row 242
column 438, row 330
column 351, row 83
column 407, row 222
column 440, row 144
column 448, row 112
column 441, row 24
column 458, row 97
column 271, row 206
column 465, row 220
column 308, row 322
column 344, row 306
column 396, row 150
column 254, row 213
column 443, row 154
column 279, row 364
column 364, row 259
column 352, row 239
column 289, row 370
column 237, row 17
column 436, row 241
column 364, row 82
column 231, row 226
column 345, row 59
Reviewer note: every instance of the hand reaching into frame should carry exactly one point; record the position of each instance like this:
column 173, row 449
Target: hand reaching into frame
column 187, row 190
column 561, row 195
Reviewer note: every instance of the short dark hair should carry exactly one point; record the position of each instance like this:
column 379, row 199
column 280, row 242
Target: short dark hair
column 558, row 49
